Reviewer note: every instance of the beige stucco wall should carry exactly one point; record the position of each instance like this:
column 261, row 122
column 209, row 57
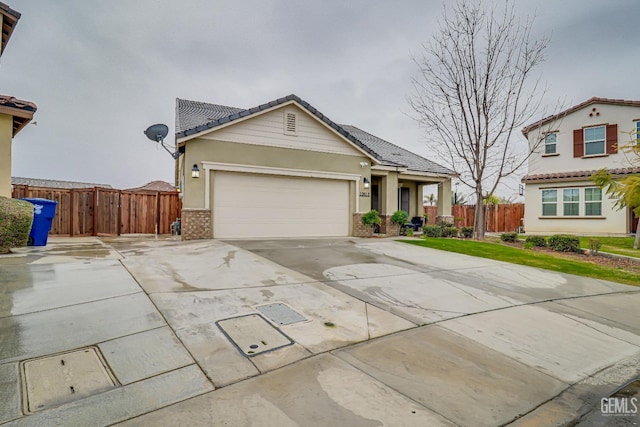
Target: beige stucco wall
column 612, row 221
column 200, row 150
column 624, row 116
column 6, row 134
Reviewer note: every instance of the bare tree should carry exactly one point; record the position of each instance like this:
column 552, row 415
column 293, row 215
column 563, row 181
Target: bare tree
column 475, row 87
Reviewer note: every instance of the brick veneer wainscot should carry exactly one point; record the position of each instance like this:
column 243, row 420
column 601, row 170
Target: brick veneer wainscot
column 359, row 229
column 196, row 224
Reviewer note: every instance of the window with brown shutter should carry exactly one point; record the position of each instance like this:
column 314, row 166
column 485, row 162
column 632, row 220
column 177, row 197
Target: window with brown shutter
column 612, row 139
column 578, row 143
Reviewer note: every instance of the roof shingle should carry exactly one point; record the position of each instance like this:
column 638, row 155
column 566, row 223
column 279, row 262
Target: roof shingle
column 593, row 100
column 579, row 175
column 193, row 117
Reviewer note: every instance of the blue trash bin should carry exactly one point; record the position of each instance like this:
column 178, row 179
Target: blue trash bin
column 43, row 212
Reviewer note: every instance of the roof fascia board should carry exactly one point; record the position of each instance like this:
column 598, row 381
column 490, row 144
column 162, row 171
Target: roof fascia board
column 17, row 112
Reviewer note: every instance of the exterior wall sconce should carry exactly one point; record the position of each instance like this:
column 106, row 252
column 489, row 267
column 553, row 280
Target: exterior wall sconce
column 364, row 164
column 195, row 172
column 366, row 182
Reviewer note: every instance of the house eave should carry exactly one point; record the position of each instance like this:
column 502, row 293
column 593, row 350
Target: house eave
column 244, row 115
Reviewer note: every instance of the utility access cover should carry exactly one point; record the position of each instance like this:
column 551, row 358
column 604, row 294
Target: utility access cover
column 54, row 380
column 281, row 314
column 253, row 335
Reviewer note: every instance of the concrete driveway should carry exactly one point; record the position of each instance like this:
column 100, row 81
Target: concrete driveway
column 357, row 332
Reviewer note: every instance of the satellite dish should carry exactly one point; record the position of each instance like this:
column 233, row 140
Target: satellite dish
column 157, row 132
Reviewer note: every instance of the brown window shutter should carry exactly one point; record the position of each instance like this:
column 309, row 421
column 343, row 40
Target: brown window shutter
column 612, row 139
column 578, row 143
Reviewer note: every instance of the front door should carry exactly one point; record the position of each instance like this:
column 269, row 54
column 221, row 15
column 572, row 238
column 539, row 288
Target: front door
column 634, row 221
column 375, row 197
column 403, row 199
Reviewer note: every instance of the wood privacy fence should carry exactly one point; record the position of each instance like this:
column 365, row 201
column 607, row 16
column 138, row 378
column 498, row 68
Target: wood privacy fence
column 107, row 212
column 498, row 218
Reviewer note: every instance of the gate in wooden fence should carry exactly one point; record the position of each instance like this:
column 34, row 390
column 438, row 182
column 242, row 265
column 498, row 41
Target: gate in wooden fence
column 498, row 218
column 107, row 212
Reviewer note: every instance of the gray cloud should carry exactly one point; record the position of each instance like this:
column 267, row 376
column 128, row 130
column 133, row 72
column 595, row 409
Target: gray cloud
column 101, row 72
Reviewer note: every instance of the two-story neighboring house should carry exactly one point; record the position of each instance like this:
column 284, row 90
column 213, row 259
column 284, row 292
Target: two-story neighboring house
column 560, row 195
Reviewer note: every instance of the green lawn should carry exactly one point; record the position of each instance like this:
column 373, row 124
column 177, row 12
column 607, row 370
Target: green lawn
column 614, row 245
column 527, row 257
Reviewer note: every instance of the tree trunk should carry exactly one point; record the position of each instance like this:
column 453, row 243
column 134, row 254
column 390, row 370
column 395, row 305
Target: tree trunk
column 478, row 217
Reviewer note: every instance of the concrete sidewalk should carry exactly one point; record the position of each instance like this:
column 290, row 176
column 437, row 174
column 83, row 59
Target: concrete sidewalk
column 305, row 332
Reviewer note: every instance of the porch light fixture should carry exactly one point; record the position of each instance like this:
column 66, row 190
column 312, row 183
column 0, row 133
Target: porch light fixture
column 195, row 172
column 366, row 182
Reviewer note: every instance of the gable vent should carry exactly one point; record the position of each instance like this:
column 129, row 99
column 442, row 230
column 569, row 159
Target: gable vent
column 290, row 123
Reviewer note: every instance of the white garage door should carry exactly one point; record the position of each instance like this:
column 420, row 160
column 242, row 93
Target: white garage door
column 246, row 205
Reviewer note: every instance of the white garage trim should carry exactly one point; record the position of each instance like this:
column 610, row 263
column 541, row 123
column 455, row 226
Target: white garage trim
column 302, row 173
column 250, row 205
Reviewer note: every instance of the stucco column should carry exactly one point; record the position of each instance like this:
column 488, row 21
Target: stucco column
column 390, row 202
column 444, row 198
column 6, row 135
column 419, row 200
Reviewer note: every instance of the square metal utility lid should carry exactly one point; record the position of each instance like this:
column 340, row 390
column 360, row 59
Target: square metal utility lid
column 65, row 377
column 253, row 334
column 281, row 314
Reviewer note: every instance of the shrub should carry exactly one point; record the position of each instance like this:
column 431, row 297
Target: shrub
column 467, row 232
column 400, row 217
column 432, row 231
column 16, row 217
column 595, row 245
column 450, row 231
column 371, row 218
column 564, row 243
column 511, row 237
column 538, row 241
column 408, row 232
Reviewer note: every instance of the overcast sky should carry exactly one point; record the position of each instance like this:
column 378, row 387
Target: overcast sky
column 101, row 72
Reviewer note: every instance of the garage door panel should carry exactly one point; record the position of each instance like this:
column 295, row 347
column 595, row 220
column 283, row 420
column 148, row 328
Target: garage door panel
column 246, row 205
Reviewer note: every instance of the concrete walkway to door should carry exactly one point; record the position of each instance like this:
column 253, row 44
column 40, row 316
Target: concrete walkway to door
column 308, row 332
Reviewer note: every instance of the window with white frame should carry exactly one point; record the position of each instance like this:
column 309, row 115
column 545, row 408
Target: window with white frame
column 594, row 140
column 638, row 132
column 549, row 202
column 571, row 202
column 592, row 201
column 550, row 143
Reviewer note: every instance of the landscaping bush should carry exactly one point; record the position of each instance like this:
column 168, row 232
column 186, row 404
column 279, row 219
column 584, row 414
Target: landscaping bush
column 467, row 232
column 16, row 217
column 595, row 245
column 371, row 218
column 432, row 231
column 564, row 243
column 511, row 237
column 400, row 217
column 538, row 241
column 408, row 232
column 450, row 231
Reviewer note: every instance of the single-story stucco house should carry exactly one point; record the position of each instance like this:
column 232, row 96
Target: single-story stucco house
column 284, row 169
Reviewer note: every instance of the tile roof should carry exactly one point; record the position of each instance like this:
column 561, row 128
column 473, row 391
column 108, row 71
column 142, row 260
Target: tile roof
column 22, row 111
column 594, row 100
column 559, row 176
column 154, row 186
column 52, row 183
column 9, row 21
column 193, row 117
column 391, row 155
